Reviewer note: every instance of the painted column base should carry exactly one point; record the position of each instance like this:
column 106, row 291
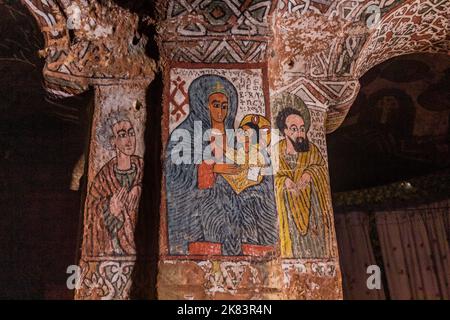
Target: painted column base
column 245, row 280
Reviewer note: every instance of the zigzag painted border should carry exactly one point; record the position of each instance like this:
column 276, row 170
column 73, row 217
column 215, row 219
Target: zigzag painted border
column 219, row 51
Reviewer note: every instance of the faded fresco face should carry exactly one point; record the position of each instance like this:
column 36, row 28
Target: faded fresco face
column 124, row 137
column 295, row 132
column 218, row 107
column 247, row 135
column 113, row 198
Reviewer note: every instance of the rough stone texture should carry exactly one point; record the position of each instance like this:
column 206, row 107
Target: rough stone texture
column 97, row 43
column 245, row 280
column 413, row 26
column 222, row 49
column 108, row 256
column 88, row 42
column 397, row 128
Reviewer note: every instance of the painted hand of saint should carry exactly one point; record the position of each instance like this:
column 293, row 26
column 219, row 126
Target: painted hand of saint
column 117, row 202
column 133, row 198
column 304, row 181
column 290, row 185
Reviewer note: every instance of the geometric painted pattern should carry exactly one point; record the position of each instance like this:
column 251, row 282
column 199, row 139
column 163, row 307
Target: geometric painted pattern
column 369, row 38
column 416, row 26
column 236, row 31
column 224, row 17
column 178, row 102
column 80, row 49
column 218, row 51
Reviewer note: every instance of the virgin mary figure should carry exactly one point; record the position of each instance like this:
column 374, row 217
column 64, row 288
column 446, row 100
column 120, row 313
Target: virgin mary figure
column 206, row 216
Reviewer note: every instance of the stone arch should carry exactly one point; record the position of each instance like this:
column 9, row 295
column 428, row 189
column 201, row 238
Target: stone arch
column 52, row 22
column 415, row 26
column 411, row 27
column 89, row 42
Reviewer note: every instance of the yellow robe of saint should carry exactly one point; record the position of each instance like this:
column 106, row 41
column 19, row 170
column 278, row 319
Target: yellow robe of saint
column 298, row 204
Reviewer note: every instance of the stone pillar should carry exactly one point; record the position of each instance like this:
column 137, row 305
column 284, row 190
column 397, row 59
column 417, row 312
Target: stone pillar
column 308, row 249
column 260, row 231
column 98, row 44
column 115, row 171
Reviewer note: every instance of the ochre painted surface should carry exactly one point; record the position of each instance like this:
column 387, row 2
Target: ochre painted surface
column 115, row 173
column 274, row 239
column 224, row 62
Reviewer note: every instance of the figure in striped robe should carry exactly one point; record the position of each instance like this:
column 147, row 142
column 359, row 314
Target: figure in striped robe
column 113, row 199
column 302, row 196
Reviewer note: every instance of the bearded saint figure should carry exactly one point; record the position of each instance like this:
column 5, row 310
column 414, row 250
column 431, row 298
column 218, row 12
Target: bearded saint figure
column 301, row 185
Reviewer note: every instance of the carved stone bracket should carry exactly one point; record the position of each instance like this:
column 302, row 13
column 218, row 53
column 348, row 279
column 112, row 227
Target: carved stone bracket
column 89, row 41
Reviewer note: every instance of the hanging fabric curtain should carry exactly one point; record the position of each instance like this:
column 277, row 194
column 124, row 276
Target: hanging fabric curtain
column 356, row 254
column 415, row 249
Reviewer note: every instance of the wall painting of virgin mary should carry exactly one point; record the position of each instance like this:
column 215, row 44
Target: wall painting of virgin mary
column 217, row 207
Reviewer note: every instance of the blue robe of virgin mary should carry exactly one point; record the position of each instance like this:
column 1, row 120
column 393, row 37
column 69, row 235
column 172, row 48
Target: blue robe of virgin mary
column 217, row 214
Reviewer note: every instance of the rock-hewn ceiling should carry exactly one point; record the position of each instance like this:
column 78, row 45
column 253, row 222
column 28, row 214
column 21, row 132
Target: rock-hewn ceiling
column 398, row 127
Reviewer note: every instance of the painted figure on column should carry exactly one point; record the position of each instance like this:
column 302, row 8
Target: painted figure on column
column 301, row 185
column 252, row 142
column 113, row 197
column 214, row 206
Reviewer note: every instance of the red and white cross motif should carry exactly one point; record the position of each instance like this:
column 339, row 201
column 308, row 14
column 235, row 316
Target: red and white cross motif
column 179, row 101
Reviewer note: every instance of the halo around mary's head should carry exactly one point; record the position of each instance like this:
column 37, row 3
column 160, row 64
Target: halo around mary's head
column 199, row 92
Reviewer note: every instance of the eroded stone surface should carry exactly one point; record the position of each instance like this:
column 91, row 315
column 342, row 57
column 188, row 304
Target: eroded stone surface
column 277, row 279
column 89, row 41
